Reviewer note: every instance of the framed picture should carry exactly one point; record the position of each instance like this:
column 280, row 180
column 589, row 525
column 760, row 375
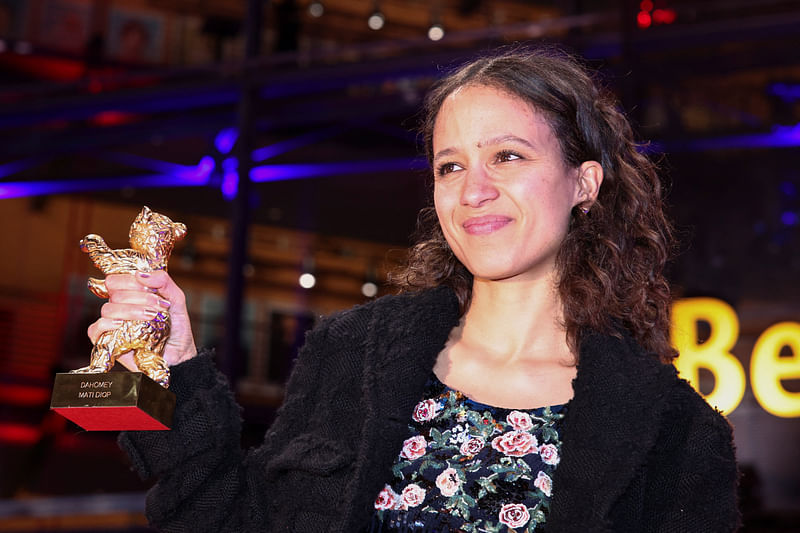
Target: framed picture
column 135, row 36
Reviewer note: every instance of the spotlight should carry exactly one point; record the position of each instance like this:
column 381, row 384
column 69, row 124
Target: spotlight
column 376, row 21
column 369, row 289
column 316, row 9
column 307, row 280
column 435, row 32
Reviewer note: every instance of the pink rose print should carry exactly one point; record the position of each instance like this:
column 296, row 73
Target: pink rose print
column 549, row 454
column 472, row 446
column 414, row 447
column 425, row 410
column 387, row 499
column 519, row 420
column 514, row 515
column 515, row 443
column 413, row 495
column 544, row 483
column 448, row 482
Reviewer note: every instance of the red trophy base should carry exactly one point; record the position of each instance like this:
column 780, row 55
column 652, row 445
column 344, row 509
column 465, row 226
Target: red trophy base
column 113, row 401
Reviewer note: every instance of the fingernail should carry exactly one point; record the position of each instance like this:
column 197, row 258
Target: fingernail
column 143, row 274
column 150, row 314
column 118, row 321
column 164, row 303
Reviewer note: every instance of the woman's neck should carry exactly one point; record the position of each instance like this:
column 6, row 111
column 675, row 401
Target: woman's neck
column 511, row 320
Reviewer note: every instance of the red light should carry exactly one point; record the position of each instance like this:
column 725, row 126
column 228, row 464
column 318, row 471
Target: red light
column 113, row 118
column 643, row 19
column 95, row 86
column 19, row 434
column 646, row 5
column 24, row 395
column 664, row 16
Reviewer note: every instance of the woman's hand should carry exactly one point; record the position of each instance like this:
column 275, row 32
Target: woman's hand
column 140, row 297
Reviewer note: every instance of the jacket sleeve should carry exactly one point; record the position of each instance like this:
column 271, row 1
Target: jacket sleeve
column 206, row 482
column 694, row 486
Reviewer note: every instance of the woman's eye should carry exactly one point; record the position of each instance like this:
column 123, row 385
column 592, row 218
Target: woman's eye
column 447, row 168
column 507, row 155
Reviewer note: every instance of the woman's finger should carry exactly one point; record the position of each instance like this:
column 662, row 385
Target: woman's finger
column 130, row 311
column 121, row 282
column 139, row 297
column 101, row 325
column 180, row 345
column 163, row 284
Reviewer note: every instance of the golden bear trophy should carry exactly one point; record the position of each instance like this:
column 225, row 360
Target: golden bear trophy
column 97, row 399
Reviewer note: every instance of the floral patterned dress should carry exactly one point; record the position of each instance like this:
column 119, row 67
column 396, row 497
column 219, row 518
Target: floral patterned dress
column 471, row 467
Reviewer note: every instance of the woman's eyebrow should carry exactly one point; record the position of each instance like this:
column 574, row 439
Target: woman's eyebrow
column 446, row 152
column 505, row 138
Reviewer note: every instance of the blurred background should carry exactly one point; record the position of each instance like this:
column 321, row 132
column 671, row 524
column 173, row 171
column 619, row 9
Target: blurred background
column 282, row 134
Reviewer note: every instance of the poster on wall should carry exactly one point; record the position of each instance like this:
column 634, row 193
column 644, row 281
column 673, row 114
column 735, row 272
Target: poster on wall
column 13, row 18
column 135, row 36
column 65, row 25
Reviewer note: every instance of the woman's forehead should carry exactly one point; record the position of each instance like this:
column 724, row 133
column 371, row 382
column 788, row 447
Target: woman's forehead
column 490, row 114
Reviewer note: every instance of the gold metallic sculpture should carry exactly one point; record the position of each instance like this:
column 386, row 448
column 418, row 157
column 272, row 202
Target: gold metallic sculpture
column 152, row 237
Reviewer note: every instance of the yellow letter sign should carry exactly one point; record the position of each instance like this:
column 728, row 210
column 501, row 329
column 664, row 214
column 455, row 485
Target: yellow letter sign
column 713, row 354
column 767, row 368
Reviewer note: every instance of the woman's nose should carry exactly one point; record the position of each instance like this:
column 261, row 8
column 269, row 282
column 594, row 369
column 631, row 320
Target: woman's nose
column 478, row 188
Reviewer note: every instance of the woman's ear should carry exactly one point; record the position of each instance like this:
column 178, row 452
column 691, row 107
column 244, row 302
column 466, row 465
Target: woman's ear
column 590, row 177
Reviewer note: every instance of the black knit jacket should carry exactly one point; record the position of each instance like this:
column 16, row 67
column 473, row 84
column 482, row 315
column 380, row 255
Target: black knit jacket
column 641, row 451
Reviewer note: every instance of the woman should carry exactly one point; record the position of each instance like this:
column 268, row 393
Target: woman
column 517, row 384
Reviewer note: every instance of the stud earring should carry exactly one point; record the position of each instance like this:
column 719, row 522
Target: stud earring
column 585, row 210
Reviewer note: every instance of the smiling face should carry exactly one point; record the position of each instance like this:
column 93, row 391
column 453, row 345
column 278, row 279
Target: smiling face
column 502, row 191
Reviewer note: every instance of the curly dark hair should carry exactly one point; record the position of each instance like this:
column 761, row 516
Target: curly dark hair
column 612, row 260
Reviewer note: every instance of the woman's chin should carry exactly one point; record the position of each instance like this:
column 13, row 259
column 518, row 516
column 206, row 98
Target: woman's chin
column 507, row 273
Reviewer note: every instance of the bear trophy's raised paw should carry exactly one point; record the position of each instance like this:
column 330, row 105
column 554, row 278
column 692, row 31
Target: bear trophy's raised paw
column 152, row 237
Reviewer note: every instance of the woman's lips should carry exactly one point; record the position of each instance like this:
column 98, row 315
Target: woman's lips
column 485, row 224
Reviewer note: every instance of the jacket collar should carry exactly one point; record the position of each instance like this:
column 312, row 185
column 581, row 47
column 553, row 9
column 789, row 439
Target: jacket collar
column 404, row 349
column 404, row 336
column 611, row 423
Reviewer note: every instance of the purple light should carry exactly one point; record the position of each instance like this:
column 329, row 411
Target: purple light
column 785, row 91
column 790, row 218
column 146, row 163
column 226, row 139
column 182, row 176
column 230, row 178
column 303, row 171
column 779, row 137
column 18, row 166
column 193, row 174
column 267, row 152
column 787, row 135
column 198, row 174
column 34, row 188
column 201, row 173
column 788, row 188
